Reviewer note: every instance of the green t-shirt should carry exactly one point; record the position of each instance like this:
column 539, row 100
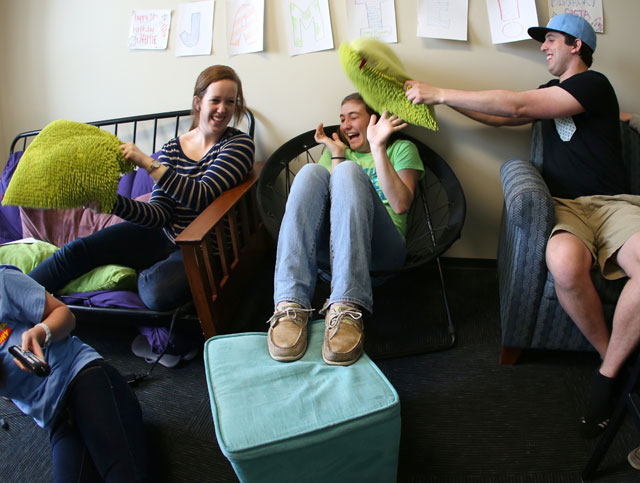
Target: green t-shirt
column 402, row 154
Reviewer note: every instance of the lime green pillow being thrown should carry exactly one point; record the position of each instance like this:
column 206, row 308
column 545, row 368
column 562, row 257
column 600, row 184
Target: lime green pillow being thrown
column 67, row 164
column 26, row 256
column 379, row 76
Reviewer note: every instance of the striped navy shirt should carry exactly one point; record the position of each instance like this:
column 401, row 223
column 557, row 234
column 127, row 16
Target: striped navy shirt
column 188, row 186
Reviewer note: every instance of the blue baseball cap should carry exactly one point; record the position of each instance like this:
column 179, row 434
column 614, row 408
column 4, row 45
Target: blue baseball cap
column 568, row 24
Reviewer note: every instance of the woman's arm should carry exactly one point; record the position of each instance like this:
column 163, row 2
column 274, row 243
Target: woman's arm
column 226, row 168
column 397, row 186
column 133, row 153
column 223, row 169
column 334, row 144
column 153, row 214
column 57, row 317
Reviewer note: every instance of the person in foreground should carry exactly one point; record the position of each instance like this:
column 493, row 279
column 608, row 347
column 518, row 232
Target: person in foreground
column 93, row 417
column 347, row 212
column 596, row 221
column 192, row 171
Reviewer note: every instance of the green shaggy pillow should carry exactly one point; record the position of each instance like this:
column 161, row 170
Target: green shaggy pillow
column 379, row 76
column 67, row 164
column 26, row 256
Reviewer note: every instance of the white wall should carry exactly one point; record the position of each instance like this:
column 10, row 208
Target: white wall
column 68, row 59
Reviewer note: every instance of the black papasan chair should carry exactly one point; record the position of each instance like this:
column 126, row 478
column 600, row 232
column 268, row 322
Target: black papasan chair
column 434, row 224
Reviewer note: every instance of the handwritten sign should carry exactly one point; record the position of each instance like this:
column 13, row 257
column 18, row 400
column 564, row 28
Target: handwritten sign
column 308, row 25
column 195, row 28
column 510, row 19
column 372, row 18
column 149, row 29
column 443, row 19
column 590, row 10
column 245, row 26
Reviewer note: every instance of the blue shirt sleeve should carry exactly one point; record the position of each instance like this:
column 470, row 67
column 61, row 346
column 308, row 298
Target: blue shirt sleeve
column 21, row 298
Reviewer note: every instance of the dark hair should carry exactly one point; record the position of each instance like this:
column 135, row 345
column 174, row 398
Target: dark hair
column 207, row 77
column 358, row 98
column 586, row 53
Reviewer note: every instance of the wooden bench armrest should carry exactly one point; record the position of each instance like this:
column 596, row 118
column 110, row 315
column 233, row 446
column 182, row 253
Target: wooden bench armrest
column 213, row 214
column 220, row 248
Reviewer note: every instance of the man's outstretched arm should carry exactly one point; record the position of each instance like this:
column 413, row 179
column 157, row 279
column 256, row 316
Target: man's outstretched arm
column 498, row 107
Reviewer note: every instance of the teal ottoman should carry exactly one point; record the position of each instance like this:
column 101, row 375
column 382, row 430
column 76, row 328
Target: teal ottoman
column 301, row 421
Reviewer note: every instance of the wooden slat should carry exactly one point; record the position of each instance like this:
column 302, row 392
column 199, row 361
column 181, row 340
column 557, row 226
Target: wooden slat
column 216, row 295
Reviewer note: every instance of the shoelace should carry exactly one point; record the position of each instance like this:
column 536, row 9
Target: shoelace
column 290, row 312
column 336, row 319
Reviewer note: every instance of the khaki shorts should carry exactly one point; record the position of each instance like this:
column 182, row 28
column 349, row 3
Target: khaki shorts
column 603, row 223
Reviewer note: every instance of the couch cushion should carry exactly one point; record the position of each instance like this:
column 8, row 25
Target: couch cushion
column 10, row 229
column 62, row 226
column 26, row 256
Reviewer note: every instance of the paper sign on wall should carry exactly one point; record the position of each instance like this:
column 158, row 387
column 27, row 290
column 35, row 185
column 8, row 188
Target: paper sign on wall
column 372, row 18
column 510, row 19
column 245, row 26
column 443, row 19
column 590, row 10
column 195, row 28
column 308, row 25
column 149, row 29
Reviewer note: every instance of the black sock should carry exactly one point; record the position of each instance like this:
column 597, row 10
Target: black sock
column 602, row 391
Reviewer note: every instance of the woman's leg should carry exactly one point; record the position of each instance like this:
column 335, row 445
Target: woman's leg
column 304, row 220
column 107, row 415
column 165, row 285
column 69, row 455
column 124, row 244
column 363, row 236
column 301, row 231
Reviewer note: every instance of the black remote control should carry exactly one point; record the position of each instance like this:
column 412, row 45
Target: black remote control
column 30, row 360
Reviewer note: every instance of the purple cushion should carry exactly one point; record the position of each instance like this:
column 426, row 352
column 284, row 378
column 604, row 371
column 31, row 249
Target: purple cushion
column 137, row 182
column 123, row 299
column 10, row 224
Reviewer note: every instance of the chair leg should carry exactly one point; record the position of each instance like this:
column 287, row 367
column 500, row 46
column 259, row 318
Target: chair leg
column 624, row 404
column 509, row 355
column 450, row 326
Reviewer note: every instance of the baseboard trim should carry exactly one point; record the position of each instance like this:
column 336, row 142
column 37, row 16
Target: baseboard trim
column 469, row 263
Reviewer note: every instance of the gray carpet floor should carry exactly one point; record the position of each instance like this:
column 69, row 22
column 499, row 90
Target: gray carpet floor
column 465, row 418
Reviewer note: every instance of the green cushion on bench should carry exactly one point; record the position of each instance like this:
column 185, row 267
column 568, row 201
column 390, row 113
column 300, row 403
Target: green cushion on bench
column 303, row 420
column 27, row 256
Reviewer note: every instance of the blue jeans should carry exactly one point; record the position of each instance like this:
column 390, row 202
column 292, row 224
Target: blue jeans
column 339, row 220
column 162, row 282
column 98, row 434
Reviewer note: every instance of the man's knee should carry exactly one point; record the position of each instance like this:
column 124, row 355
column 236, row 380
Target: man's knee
column 628, row 257
column 568, row 260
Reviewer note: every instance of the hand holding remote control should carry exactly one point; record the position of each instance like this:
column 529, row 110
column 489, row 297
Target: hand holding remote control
column 30, row 361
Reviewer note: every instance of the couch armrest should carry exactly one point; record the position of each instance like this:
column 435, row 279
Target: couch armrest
column 526, row 195
column 220, row 249
column 527, row 220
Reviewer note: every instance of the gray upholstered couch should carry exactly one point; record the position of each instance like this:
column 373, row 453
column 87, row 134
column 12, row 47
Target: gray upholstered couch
column 530, row 314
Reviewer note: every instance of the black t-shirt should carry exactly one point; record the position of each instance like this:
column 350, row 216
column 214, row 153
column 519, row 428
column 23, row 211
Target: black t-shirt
column 589, row 159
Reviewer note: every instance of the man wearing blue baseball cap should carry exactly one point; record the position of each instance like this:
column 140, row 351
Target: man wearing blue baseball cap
column 583, row 168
